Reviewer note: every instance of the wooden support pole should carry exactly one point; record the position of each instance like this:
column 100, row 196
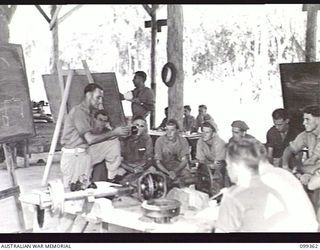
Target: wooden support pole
column 88, row 73
column 43, row 13
column 55, row 17
column 8, row 151
column 175, row 56
column 57, row 128
column 311, row 33
column 154, row 28
column 61, row 19
column 55, row 44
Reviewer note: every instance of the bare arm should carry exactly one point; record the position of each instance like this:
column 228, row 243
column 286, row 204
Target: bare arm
column 269, row 154
column 285, row 158
column 162, row 168
column 182, row 165
column 94, row 138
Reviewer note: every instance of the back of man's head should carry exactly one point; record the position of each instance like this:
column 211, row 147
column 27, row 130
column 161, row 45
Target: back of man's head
column 141, row 74
column 280, row 114
column 100, row 112
column 313, row 110
column 248, row 150
column 91, row 87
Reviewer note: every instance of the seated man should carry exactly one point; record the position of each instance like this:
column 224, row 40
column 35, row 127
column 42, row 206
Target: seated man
column 83, row 147
column 279, row 136
column 307, row 139
column 211, row 151
column 137, row 149
column 257, row 204
column 171, row 153
column 189, row 121
column 202, row 117
column 162, row 126
column 239, row 131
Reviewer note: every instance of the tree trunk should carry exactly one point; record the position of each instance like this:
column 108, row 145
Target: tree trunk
column 55, row 44
column 4, row 24
column 311, row 34
column 175, row 56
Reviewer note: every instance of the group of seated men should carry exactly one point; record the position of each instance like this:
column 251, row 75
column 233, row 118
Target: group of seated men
column 88, row 139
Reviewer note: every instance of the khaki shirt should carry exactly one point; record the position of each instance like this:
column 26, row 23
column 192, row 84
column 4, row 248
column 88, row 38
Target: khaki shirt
column 169, row 152
column 78, row 122
column 307, row 140
column 212, row 150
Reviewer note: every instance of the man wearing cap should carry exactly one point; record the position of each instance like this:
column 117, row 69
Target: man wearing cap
column 279, row 136
column 171, row 152
column 142, row 100
column 83, row 146
column 202, row 117
column 310, row 139
column 211, row 151
column 239, row 131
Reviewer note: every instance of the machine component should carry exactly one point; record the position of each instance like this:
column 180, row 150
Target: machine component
column 151, row 185
column 207, row 181
column 161, row 210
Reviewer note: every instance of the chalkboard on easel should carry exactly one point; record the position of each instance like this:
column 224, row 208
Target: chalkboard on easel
column 107, row 81
column 16, row 121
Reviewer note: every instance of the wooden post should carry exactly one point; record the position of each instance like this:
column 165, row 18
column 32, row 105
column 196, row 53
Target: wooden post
column 8, row 151
column 175, row 56
column 153, row 61
column 57, row 128
column 55, row 43
column 311, row 34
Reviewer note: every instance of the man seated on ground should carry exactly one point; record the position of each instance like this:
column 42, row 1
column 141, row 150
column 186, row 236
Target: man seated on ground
column 239, row 131
column 202, row 117
column 189, row 122
column 211, row 151
column 137, row 149
column 83, row 147
column 171, row 153
column 310, row 139
column 142, row 97
column 162, row 126
column 254, row 203
column 279, row 136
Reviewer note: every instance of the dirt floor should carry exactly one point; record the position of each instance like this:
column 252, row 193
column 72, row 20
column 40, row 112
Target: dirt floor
column 29, row 179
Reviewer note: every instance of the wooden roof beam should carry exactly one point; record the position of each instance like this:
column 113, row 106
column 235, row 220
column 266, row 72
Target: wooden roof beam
column 43, row 13
column 61, row 19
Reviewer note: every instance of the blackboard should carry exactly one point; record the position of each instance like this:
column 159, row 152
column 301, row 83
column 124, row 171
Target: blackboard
column 16, row 122
column 107, row 81
column 300, row 84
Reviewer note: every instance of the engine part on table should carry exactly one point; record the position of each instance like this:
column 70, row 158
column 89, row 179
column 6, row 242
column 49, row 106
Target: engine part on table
column 207, row 181
column 151, row 185
column 161, row 210
column 55, row 196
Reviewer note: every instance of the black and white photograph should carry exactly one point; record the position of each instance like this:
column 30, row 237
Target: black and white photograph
column 159, row 118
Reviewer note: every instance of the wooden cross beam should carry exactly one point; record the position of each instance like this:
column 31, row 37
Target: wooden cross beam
column 43, row 13
column 160, row 23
